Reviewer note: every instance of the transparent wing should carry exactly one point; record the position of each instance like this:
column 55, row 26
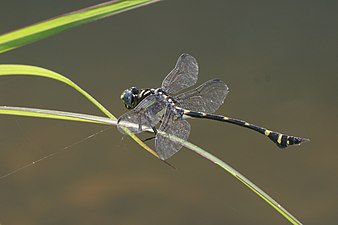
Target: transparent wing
column 146, row 114
column 184, row 75
column 208, row 97
column 172, row 125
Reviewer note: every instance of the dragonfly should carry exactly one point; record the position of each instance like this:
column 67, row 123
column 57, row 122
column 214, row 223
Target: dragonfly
column 166, row 109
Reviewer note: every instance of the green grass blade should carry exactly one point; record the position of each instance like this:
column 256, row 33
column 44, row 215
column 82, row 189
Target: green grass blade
column 55, row 114
column 238, row 176
column 26, row 70
column 280, row 209
column 20, row 111
column 11, row 69
column 52, row 26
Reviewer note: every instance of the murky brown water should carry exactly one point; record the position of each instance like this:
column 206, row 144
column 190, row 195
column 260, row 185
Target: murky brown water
column 280, row 62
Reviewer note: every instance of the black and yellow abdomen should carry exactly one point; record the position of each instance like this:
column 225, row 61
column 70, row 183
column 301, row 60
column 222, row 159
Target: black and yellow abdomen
column 281, row 140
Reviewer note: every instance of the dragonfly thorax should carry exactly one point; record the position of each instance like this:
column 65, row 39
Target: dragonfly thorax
column 131, row 97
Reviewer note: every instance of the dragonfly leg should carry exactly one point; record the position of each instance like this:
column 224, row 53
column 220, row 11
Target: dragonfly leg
column 148, row 139
column 155, row 130
column 153, row 137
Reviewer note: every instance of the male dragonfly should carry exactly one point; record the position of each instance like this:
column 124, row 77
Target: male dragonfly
column 151, row 106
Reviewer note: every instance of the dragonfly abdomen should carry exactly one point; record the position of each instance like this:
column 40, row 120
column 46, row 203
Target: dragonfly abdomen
column 281, row 140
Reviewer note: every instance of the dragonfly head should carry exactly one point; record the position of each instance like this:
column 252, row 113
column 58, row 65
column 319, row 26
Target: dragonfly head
column 130, row 97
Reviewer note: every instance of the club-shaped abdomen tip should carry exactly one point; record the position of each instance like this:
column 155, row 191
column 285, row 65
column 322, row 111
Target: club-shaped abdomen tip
column 286, row 140
column 283, row 141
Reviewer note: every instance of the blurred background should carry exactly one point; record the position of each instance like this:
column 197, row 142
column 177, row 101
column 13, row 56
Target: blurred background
column 279, row 60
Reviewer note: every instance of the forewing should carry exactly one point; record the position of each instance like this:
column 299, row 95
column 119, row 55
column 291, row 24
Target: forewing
column 184, row 75
column 208, row 97
column 146, row 114
column 172, row 125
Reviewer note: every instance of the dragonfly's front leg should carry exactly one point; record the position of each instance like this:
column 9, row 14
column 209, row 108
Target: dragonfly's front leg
column 153, row 137
column 155, row 133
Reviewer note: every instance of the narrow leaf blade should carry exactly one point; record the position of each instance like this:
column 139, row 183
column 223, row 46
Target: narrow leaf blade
column 13, row 69
column 55, row 25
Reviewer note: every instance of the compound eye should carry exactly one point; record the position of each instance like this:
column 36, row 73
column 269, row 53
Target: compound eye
column 127, row 98
column 130, row 97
